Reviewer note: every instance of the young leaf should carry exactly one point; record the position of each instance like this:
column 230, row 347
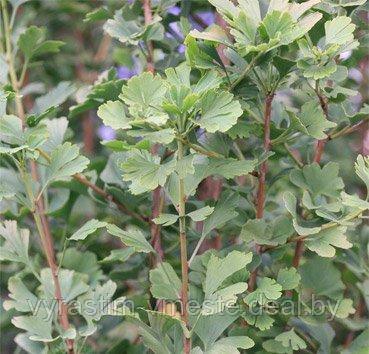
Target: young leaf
column 15, row 247
column 113, row 115
column 291, row 340
column 288, row 278
column 65, row 161
column 200, row 214
column 166, row 219
column 87, row 229
column 165, row 283
column 268, row 289
column 339, row 31
column 145, row 171
column 132, row 237
column 362, row 169
column 219, row 111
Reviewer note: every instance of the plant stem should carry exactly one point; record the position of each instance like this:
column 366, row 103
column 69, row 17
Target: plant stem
column 245, row 72
column 39, row 215
column 319, row 149
column 150, row 49
column 183, row 246
column 260, row 197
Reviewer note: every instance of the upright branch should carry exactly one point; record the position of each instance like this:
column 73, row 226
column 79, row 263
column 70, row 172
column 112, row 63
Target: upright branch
column 183, row 249
column 150, row 49
column 260, row 196
column 38, row 212
column 319, row 149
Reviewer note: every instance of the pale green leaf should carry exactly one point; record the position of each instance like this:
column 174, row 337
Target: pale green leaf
column 291, row 340
column 200, row 214
column 339, row 31
column 362, row 169
column 113, row 115
column 219, row 111
column 132, row 237
column 65, row 161
column 288, row 278
column 267, row 289
column 87, row 229
column 325, row 241
column 166, row 219
column 165, row 283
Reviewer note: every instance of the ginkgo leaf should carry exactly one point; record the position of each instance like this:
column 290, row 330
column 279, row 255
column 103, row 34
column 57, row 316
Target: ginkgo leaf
column 166, row 219
column 185, row 166
column 165, row 283
column 145, row 171
column 342, row 309
column 274, row 232
column 113, row 115
column 87, row 229
column 15, row 247
column 291, row 340
column 230, row 345
column 262, row 321
column 267, row 289
column 311, row 120
column 362, row 169
column 65, row 161
column 219, row 111
column 230, row 168
column 288, row 278
column 319, row 180
column 163, row 136
column 132, row 237
column 143, row 95
column 322, row 277
column 200, row 214
column 339, row 30
column 325, row 241
column 219, row 269
column 224, row 211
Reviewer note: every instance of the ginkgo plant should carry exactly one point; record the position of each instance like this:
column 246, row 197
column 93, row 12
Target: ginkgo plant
column 251, row 108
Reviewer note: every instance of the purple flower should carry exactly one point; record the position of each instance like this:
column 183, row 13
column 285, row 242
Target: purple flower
column 174, row 10
column 106, row 133
column 176, row 30
column 181, row 49
column 207, row 17
column 124, row 72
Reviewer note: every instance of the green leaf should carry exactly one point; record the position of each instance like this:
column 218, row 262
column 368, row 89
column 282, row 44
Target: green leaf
column 132, row 237
column 145, row 171
column 362, row 169
column 230, row 168
column 120, row 255
column 65, row 161
column 275, row 232
column 291, row 340
column 322, row 277
column 325, row 241
column 200, row 214
column 267, row 289
column 288, row 278
column 219, row 111
column 31, row 43
column 87, row 229
column 224, row 211
column 343, row 308
column 339, row 31
column 113, row 115
column 166, row 219
column 163, row 136
column 262, row 321
column 185, row 166
column 15, row 247
column 230, row 345
column 165, row 283
column 143, row 95
column 20, row 298
column 71, row 283
column 219, row 269
column 54, row 98
column 311, row 120
column 319, row 180
column 99, row 14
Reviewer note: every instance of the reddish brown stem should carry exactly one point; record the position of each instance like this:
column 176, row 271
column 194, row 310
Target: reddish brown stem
column 260, row 196
column 82, row 179
column 150, row 48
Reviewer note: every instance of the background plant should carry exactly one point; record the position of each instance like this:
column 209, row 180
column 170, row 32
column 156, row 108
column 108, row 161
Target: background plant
column 230, row 169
